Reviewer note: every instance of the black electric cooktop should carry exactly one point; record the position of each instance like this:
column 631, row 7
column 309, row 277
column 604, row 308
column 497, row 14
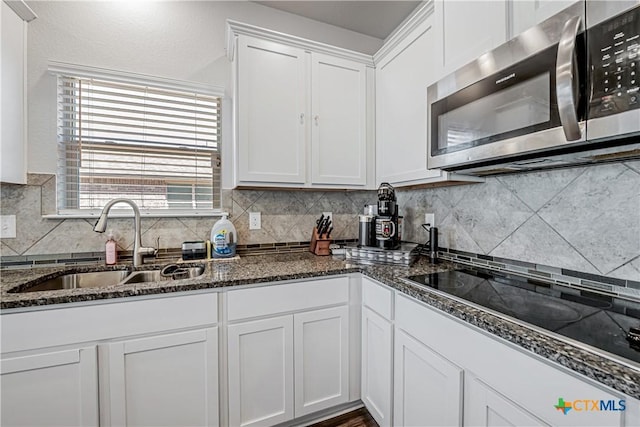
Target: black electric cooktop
column 599, row 320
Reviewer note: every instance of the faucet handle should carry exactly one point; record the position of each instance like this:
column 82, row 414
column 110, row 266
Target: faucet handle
column 150, row 251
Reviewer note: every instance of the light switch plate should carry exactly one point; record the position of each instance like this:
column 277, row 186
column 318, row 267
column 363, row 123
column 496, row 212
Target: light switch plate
column 255, row 221
column 8, row 226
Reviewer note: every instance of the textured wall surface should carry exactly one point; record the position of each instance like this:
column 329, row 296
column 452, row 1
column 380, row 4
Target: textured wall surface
column 586, row 219
column 287, row 216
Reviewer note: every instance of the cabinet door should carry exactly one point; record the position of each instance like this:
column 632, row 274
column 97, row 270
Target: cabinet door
column 260, row 366
column 338, row 147
column 401, row 109
column 166, row 380
column 59, row 388
column 377, row 366
column 528, row 13
column 272, row 111
column 12, row 117
column 471, row 28
column 485, row 407
column 321, row 358
column 428, row 388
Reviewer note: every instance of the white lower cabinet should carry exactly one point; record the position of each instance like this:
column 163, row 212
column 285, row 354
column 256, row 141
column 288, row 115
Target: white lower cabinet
column 165, row 380
column 287, row 352
column 294, row 359
column 321, row 359
column 125, row 362
column 286, row 367
column 260, row 367
column 377, row 366
column 486, row 407
column 504, row 384
column 427, row 387
column 53, row 388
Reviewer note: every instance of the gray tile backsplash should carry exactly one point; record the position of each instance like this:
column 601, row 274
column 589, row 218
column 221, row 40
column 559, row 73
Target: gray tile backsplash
column 584, row 219
column 287, row 216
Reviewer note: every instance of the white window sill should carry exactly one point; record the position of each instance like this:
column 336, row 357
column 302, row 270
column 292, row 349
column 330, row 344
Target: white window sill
column 128, row 213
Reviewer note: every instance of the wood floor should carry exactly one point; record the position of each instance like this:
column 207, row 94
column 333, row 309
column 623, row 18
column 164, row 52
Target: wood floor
column 358, row 418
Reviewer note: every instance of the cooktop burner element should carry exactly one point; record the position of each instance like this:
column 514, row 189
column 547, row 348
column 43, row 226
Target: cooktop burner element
column 599, row 320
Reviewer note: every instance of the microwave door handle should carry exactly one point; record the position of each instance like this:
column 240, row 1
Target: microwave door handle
column 565, row 75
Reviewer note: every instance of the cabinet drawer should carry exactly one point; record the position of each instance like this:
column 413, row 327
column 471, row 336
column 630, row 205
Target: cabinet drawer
column 273, row 299
column 378, row 298
column 61, row 326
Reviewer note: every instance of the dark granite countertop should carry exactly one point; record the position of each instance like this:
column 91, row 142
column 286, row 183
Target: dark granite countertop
column 615, row 372
column 242, row 271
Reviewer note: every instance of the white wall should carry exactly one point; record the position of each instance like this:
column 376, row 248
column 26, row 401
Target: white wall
column 182, row 40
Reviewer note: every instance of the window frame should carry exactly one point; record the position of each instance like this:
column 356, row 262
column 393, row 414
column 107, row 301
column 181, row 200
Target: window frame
column 57, row 69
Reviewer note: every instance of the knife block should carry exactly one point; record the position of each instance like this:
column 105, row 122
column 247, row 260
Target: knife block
column 319, row 245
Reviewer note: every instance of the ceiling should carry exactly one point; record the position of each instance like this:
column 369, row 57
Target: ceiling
column 373, row 18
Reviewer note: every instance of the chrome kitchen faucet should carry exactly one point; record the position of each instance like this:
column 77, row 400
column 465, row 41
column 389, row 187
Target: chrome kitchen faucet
column 138, row 250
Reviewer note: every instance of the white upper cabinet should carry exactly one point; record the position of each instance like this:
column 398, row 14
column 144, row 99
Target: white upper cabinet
column 405, row 66
column 302, row 118
column 338, row 135
column 527, row 13
column 272, row 104
column 402, row 78
column 471, row 28
column 13, row 116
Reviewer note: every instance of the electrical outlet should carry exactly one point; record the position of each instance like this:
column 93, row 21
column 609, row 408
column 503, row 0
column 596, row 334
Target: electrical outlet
column 8, row 226
column 430, row 219
column 255, row 221
column 328, row 215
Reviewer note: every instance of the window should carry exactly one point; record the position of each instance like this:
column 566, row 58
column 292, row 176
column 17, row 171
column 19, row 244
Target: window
column 157, row 146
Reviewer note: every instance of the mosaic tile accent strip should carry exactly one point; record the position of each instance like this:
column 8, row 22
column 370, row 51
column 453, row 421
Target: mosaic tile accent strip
column 28, row 261
column 579, row 280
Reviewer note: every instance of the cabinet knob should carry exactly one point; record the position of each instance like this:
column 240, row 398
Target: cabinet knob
column 317, row 119
column 301, row 118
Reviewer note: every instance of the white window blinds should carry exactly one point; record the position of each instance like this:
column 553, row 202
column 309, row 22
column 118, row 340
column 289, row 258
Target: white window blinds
column 158, row 147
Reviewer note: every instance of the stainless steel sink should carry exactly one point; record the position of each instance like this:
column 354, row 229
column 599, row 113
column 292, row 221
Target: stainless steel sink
column 100, row 279
column 97, row 279
column 165, row 274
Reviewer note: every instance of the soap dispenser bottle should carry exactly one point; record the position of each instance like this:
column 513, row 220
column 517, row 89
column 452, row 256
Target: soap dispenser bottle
column 223, row 239
column 111, row 250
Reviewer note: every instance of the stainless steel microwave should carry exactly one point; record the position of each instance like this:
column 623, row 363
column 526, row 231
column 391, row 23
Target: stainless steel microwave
column 563, row 92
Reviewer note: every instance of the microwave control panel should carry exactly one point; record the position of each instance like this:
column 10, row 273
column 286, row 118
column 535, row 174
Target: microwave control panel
column 614, row 59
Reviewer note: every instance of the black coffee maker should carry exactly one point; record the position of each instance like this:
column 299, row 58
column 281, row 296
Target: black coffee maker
column 388, row 226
